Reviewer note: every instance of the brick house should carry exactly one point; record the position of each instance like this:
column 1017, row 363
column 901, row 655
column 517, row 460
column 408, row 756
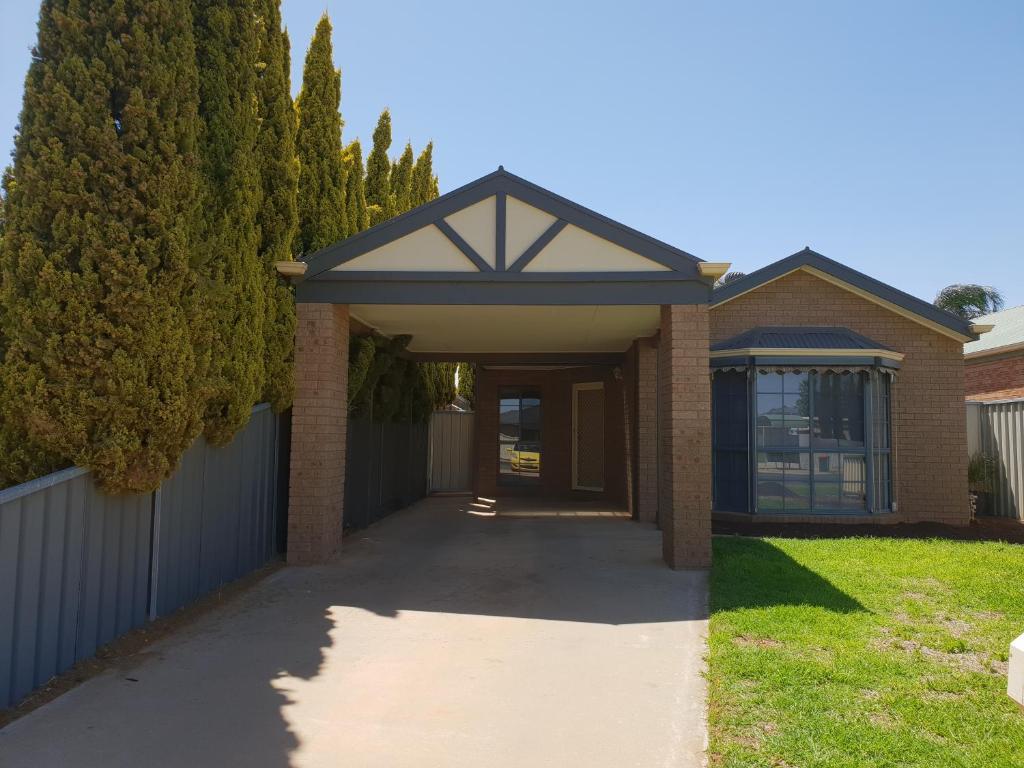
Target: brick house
column 610, row 367
column 994, row 364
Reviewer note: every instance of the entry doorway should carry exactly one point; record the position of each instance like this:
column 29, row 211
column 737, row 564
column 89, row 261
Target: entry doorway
column 588, row 436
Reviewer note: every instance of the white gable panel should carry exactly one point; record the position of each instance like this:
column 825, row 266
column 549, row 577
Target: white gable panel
column 476, row 225
column 425, row 250
column 523, row 225
column 576, row 250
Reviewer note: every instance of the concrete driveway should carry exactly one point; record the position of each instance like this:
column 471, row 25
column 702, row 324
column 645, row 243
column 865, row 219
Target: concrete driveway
column 451, row 634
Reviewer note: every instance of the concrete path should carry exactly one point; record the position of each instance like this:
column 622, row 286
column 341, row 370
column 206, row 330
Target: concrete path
column 446, row 635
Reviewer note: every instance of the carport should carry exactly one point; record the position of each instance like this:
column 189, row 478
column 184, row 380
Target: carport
column 591, row 341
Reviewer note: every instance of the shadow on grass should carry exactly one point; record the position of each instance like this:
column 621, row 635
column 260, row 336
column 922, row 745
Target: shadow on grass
column 751, row 573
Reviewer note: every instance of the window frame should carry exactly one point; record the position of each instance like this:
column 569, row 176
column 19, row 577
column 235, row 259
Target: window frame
column 876, row 392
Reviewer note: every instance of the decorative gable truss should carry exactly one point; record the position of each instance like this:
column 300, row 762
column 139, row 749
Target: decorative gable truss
column 503, row 240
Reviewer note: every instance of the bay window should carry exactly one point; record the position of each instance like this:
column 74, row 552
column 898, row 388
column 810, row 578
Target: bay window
column 802, row 440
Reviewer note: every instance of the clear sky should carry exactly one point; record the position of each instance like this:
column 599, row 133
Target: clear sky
column 886, row 135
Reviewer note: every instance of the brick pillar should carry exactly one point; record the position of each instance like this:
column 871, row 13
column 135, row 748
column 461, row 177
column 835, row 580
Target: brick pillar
column 319, row 433
column 647, row 430
column 684, row 399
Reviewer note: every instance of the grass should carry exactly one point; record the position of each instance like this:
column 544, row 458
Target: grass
column 864, row 652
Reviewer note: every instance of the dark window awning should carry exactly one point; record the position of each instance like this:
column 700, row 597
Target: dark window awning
column 795, row 347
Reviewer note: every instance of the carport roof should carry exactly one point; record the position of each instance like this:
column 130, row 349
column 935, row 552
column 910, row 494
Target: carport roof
column 501, row 240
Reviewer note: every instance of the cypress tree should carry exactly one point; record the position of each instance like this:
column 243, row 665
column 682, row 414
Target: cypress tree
column 424, row 183
column 279, row 174
column 322, row 214
column 355, row 192
column 99, row 364
column 379, row 200
column 401, row 181
column 467, row 381
column 226, row 51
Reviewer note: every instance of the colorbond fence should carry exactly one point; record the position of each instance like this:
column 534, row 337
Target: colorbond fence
column 79, row 568
column 997, row 429
column 451, row 451
column 385, row 469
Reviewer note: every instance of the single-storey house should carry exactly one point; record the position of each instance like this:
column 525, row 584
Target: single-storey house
column 611, row 367
column 994, row 364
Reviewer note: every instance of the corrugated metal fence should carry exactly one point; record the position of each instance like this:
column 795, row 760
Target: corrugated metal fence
column 997, row 429
column 451, row 451
column 78, row 568
column 385, row 469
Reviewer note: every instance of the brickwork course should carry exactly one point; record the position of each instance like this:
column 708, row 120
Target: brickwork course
column 684, row 409
column 319, row 433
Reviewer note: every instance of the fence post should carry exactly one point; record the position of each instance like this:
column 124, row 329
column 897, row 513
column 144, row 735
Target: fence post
column 154, row 554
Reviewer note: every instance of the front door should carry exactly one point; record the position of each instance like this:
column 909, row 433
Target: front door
column 588, row 436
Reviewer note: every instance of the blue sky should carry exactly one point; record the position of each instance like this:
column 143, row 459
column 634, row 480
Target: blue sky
column 887, row 135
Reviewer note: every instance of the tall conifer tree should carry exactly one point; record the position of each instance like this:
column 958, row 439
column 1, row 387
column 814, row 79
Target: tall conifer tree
column 424, row 183
column 401, row 181
column 355, row 191
column 322, row 214
column 279, row 174
column 379, row 199
column 99, row 366
column 227, row 51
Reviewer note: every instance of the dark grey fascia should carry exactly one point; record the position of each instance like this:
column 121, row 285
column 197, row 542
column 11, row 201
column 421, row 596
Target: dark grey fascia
column 507, row 288
column 501, row 183
column 810, row 258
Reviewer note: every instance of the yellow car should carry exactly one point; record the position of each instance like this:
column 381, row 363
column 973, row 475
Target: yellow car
column 525, row 457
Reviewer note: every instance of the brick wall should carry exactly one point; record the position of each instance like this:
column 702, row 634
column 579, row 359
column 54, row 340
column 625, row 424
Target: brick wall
column 684, row 408
column 319, row 433
column 556, row 431
column 994, row 378
column 929, row 421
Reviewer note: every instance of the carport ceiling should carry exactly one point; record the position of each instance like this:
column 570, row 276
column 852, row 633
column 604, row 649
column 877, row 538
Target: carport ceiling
column 510, row 328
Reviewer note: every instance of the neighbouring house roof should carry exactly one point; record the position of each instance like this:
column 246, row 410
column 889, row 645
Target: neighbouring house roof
column 1007, row 334
column 856, row 282
column 800, row 338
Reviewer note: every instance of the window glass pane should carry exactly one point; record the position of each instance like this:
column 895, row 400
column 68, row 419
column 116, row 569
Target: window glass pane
column 794, row 406
column 519, row 437
column 880, row 409
column 826, row 496
column 883, row 494
column 853, row 498
column 838, row 403
column 771, row 420
column 854, row 477
column 770, row 482
column 783, row 483
column 769, row 382
column 729, row 405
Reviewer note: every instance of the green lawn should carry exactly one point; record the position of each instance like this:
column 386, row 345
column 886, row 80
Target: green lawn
column 864, row 652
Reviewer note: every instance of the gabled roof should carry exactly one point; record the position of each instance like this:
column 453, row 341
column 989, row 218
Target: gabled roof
column 1007, row 334
column 856, row 282
column 797, row 337
column 503, row 240
column 501, row 182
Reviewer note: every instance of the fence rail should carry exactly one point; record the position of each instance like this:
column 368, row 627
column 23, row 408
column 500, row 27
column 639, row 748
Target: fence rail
column 79, row 568
column 997, row 429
